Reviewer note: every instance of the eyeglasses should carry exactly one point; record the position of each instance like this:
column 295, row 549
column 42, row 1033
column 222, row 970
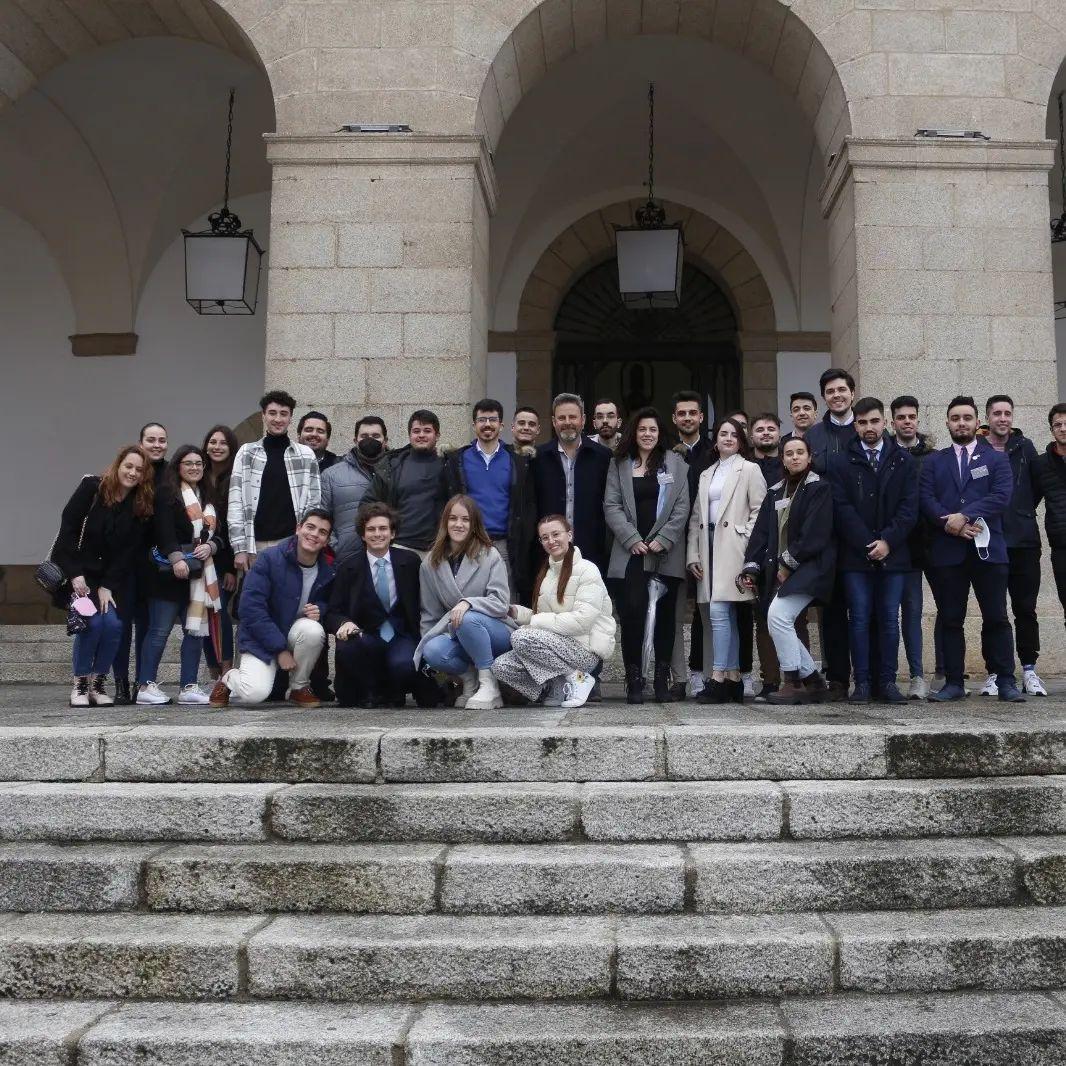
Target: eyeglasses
column 486, row 420
column 192, row 464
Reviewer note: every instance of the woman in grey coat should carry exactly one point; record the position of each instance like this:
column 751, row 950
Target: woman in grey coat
column 646, row 505
column 466, row 623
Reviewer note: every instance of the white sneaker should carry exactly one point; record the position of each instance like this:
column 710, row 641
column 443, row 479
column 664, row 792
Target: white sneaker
column 749, row 686
column 98, row 695
column 1032, row 684
column 696, row 684
column 578, row 686
column 151, row 696
column 990, row 688
column 469, row 680
column 556, row 692
column 79, row 694
column 919, row 689
column 193, row 694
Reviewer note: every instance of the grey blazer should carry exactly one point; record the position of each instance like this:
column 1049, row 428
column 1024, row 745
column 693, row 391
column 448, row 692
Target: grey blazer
column 483, row 584
column 620, row 508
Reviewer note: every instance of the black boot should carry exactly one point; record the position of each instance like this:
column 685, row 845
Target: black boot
column 662, row 683
column 736, row 691
column 122, row 692
column 714, row 692
column 634, row 684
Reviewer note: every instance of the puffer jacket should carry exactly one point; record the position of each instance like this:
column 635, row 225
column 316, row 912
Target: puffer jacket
column 585, row 615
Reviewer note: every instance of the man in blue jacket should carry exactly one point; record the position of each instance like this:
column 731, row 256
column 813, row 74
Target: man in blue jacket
column 964, row 490
column 283, row 602
column 875, row 507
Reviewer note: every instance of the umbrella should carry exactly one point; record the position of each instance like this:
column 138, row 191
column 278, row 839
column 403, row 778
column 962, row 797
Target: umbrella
column 656, row 591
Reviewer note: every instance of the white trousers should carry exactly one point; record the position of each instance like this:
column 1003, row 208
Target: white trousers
column 253, row 680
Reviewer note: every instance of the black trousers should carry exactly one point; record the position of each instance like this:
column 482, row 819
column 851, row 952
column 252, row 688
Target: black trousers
column 1058, row 567
column 951, row 590
column 746, row 626
column 1023, row 587
column 836, row 641
column 630, row 595
column 369, row 667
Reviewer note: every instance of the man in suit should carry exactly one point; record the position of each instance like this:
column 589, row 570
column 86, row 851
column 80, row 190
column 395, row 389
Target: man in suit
column 570, row 476
column 373, row 612
column 875, row 508
column 964, row 490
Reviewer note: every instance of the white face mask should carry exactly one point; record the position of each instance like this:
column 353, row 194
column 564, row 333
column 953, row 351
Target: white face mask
column 981, row 541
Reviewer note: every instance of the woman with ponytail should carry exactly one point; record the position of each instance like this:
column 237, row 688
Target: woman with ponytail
column 563, row 641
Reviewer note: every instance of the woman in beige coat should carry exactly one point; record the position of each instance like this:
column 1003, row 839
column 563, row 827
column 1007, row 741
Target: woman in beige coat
column 728, row 497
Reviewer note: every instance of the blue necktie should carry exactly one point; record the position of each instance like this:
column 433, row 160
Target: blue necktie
column 381, row 586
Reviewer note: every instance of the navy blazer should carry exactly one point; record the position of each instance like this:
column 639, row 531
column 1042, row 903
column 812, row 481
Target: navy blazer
column 354, row 598
column 871, row 505
column 590, row 487
column 986, row 495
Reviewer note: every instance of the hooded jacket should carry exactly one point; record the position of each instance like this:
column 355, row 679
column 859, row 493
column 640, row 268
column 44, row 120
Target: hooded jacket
column 1020, row 529
column 1050, row 475
column 344, row 485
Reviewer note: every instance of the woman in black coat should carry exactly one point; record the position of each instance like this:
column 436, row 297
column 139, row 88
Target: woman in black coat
column 220, row 447
column 186, row 531
column 99, row 534
column 791, row 561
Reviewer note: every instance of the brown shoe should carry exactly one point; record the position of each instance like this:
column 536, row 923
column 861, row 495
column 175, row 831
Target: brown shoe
column 791, row 691
column 304, row 697
column 220, row 694
column 815, row 686
column 835, row 692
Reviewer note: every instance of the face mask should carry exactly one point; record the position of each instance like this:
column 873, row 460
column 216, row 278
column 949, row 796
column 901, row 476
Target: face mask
column 370, row 448
column 982, row 540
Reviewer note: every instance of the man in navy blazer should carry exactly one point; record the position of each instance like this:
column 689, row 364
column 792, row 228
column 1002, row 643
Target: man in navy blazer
column 964, row 490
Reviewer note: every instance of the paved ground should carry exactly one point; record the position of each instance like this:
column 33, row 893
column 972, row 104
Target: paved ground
column 46, row 705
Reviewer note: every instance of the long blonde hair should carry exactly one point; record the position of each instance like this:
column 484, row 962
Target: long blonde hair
column 565, row 570
column 477, row 543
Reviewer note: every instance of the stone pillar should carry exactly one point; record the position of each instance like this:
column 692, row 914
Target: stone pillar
column 758, row 371
column 534, row 351
column 378, row 276
column 940, row 265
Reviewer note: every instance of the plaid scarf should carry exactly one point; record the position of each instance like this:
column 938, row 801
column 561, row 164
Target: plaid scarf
column 201, row 619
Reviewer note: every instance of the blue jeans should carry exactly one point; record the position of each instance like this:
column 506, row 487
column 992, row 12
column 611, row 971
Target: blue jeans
column 870, row 593
column 162, row 614
column 226, row 627
column 94, row 650
column 725, row 634
column 781, row 622
column 911, row 621
column 478, row 642
column 134, row 624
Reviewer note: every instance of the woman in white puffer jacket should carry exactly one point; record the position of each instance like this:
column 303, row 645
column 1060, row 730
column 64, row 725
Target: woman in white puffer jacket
column 571, row 631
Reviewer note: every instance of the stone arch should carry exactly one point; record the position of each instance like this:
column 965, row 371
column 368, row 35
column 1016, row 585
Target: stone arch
column 590, row 241
column 779, row 38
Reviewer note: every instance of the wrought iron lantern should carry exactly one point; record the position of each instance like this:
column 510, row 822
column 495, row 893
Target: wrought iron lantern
column 222, row 263
column 650, row 254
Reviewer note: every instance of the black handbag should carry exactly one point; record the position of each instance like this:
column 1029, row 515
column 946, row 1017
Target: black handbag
column 49, row 575
column 164, row 565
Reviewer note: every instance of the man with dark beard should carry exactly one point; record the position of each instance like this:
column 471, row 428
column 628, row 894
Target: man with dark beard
column 345, row 483
column 965, row 488
column 607, row 422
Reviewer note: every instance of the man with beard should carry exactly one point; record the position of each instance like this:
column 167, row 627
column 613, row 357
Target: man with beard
column 314, row 430
column 570, row 477
column 766, row 440
column 345, row 483
column 607, row 423
column 965, row 488
column 497, row 478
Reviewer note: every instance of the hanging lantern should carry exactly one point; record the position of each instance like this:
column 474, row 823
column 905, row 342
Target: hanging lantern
column 650, row 254
column 222, row 263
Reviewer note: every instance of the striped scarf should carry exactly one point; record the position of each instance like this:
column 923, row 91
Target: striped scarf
column 201, row 619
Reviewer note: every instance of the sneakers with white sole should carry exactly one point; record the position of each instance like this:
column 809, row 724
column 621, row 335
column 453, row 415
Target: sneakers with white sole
column 991, row 688
column 79, row 694
column 918, row 689
column 696, row 684
column 193, row 695
column 577, row 688
column 556, row 692
column 151, row 695
column 1032, row 684
column 749, row 686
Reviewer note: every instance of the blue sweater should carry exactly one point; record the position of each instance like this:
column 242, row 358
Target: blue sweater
column 490, row 487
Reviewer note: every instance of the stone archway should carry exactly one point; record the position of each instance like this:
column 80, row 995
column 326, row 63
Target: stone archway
column 590, row 241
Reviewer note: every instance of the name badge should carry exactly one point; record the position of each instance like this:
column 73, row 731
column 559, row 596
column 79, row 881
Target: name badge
column 979, row 471
column 780, row 505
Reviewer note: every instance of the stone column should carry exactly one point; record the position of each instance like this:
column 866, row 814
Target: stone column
column 379, row 275
column 534, row 350
column 758, row 370
column 940, row 264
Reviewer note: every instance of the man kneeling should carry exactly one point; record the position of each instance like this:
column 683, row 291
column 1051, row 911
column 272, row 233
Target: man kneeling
column 373, row 612
column 282, row 605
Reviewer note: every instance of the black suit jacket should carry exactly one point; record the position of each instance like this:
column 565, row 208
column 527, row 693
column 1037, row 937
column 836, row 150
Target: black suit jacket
column 354, row 598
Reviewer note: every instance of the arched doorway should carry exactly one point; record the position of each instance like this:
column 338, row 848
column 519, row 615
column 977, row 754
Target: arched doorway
column 604, row 348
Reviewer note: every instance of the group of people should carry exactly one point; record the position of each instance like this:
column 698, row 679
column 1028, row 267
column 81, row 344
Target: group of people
column 504, row 566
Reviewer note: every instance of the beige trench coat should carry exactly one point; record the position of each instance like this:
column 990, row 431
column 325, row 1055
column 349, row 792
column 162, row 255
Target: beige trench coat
column 742, row 496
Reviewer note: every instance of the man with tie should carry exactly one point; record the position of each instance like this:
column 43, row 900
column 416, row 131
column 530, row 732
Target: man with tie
column 875, row 508
column 373, row 612
column 963, row 491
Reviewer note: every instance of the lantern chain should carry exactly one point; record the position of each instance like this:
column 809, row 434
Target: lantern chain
column 225, row 221
column 651, row 215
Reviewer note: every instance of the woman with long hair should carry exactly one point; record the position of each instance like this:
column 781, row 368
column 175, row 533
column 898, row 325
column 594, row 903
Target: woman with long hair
column 728, row 497
column 646, row 505
column 183, row 586
column 562, row 642
column 220, row 446
column 464, row 594
column 101, row 528
column 790, row 562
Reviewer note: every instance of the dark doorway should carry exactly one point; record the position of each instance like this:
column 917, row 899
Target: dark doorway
column 643, row 357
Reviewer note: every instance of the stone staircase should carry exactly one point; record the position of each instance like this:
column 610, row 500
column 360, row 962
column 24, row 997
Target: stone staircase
column 668, row 885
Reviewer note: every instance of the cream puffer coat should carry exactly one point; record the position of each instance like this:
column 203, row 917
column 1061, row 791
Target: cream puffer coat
column 585, row 615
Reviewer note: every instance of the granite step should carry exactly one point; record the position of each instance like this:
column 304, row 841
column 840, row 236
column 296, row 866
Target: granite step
column 425, row 957
column 619, row 812
column 778, row 877
column 978, row 1029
